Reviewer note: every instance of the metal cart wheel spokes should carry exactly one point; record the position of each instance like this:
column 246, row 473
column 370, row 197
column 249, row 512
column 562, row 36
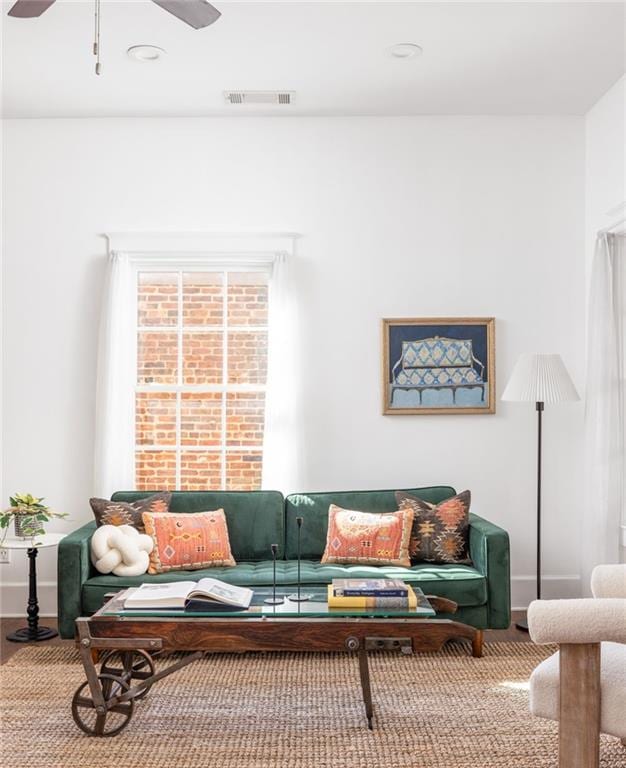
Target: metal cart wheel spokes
column 129, row 666
column 115, row 715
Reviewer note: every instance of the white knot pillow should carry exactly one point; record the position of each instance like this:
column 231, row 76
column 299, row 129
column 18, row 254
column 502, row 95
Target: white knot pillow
column 120, row 549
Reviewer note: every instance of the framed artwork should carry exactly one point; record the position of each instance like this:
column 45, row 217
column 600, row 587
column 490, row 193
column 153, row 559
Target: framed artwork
column 439, row 365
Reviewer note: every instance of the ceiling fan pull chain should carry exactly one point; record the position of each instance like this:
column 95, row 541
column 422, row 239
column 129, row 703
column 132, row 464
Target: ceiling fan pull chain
column 96, row 42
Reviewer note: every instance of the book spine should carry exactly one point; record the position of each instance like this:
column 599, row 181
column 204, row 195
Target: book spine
column 371, row 602
column 371, row 593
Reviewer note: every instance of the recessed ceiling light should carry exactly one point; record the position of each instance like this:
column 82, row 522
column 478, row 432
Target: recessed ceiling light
column 145, row 53
column 405, row 50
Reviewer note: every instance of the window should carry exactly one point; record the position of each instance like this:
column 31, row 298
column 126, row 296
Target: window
column 201, row 374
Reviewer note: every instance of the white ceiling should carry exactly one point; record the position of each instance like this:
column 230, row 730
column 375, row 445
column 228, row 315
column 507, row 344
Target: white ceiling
column 479, row 58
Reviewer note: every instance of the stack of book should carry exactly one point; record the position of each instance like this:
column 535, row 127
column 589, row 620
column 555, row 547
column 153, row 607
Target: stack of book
column 371, row 593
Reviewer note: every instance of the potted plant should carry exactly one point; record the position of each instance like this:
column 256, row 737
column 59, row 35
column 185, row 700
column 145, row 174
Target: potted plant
column 28, row 514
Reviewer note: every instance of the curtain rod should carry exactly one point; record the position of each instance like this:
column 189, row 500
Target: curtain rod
column 201, row 242
column 260, row 257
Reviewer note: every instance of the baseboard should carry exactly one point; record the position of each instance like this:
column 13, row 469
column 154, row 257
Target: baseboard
column 14, row 596
column 523, row 589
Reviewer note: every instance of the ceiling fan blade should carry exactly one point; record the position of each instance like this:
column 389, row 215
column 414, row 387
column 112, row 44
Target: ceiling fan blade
column 196, row 13
column 29, row 9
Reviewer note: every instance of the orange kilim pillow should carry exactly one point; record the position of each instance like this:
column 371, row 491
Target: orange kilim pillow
column 367, row 537
column 188, row 542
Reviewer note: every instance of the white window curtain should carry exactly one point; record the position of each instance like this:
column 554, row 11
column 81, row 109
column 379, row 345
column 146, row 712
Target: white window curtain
column 604, row 516
column 281, row 455
column 115, row 408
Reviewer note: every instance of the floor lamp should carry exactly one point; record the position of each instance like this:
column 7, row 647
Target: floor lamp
column 539, row 379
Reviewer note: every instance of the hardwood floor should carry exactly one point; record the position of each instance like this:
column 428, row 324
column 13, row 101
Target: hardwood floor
column 512, row 634
column 8, row 648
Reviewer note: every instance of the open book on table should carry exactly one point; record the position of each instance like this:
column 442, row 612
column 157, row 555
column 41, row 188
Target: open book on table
column 204, row 595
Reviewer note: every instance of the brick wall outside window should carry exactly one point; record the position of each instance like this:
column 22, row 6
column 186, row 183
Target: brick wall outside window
column 201, row 374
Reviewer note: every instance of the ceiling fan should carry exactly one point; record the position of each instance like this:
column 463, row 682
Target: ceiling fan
column 196, row 13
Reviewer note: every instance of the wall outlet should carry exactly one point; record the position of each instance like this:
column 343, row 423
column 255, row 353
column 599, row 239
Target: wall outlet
column 5, row 555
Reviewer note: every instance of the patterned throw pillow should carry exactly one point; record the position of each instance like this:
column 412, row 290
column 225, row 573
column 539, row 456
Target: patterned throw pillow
column 440, row 531
column 129, row 513
column 188, row 542
column 367, row 537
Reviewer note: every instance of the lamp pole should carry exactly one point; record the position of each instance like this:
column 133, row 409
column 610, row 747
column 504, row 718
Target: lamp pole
column 539, row 378
column 539, row 407
column 523, row 623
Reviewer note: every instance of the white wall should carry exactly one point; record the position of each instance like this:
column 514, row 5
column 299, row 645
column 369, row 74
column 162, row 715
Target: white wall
column 400, row 217
column 605, row 139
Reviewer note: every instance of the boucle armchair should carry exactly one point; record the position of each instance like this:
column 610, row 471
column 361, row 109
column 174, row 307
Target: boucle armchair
column 583, row 685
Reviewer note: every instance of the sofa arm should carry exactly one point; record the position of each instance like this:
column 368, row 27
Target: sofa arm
column 489, row 550
column 588, row 620
column 73, row 570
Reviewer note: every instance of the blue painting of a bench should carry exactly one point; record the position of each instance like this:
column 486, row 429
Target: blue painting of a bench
column 437, row 363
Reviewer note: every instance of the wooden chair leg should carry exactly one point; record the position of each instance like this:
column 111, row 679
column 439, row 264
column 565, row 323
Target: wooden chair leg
column 579, row 705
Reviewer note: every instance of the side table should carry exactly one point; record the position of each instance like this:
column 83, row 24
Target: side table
column 33, row 631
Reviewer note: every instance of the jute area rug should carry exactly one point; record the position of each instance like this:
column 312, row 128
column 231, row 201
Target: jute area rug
column 443, row 710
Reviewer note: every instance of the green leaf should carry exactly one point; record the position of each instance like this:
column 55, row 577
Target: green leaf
column 33, row 530
column 27, row 500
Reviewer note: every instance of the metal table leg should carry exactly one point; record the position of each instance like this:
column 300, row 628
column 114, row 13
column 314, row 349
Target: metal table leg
column 364, row 673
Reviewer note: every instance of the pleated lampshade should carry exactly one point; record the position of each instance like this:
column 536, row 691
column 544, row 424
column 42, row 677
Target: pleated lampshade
column 540, row 378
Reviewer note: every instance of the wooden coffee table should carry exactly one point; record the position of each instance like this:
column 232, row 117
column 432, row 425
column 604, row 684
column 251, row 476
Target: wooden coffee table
column 118, row 647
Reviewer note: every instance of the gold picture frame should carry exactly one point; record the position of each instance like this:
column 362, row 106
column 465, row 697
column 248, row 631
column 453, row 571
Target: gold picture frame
column 439, row 365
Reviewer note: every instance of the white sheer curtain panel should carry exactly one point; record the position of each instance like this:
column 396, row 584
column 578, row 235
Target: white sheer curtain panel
column 604, row 515
column 281, row 458
column 115, row 412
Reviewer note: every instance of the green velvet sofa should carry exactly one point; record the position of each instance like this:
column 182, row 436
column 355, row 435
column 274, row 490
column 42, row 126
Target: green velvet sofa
column 258, row 519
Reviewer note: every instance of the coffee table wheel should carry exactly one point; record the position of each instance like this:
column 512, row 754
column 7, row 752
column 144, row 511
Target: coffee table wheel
column 110, row 722
column 129, row 666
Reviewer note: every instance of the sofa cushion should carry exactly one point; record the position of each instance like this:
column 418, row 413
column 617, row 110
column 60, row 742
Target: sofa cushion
column 440, row 532
column 461, row 583
column 190, row 542
column 367, row 538
column 313, row 508
column 255, row 519
column 129, row 513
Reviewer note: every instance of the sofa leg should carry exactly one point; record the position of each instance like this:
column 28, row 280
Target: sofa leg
column 579, row 705
column 477, row 644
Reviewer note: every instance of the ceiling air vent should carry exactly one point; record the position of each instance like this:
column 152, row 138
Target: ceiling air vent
column 259, row 97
